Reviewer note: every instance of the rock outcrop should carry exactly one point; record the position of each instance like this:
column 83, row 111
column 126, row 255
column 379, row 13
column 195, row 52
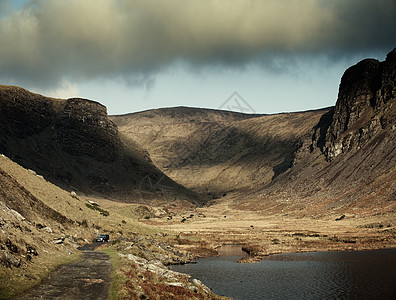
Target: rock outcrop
column 349, row 160
column 364, row 105
column 82, row 128
column 73, row 144
column 168, row 284
column 335, row 157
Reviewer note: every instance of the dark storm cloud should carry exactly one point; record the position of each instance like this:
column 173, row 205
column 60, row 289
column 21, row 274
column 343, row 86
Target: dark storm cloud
column 49, row 40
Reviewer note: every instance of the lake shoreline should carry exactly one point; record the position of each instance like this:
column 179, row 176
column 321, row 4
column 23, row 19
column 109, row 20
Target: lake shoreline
column 255, row 259
column 305, row 275
column 263, row 235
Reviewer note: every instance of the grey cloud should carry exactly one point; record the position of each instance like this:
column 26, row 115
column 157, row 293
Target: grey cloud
column 49, row 40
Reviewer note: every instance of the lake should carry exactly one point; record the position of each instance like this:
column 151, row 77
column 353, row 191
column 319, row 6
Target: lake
column 310, row 275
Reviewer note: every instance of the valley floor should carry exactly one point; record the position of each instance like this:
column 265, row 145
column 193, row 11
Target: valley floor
column 261, row 234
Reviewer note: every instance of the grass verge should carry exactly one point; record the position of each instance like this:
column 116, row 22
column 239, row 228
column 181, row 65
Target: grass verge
column 118, row 278
column 16, row 281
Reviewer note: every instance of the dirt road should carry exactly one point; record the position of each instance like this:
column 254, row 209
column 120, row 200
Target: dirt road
column 89, row 278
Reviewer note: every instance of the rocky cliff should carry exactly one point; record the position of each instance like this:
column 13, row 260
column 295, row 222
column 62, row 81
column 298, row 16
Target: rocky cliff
column 348, row 162
column 364, row 106
column 332, row 158
column 74, row 144
column 336, row 157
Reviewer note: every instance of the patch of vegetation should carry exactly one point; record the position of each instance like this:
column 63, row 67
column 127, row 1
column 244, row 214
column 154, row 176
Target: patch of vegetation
column 129, row 281
column 83, row 223
column 275, row 241
column 341, row 240
column 148, row 285
column 118, row 277
column 251, row 249
column 374, row 225
column 15, row 281
column 103, row 212
column 302, row 234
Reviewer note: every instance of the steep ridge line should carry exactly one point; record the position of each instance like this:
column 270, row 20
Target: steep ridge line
column 73, row 144
column 223, row 155
column 339, row 157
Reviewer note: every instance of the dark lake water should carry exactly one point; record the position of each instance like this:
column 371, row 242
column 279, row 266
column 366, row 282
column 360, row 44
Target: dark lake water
column 311, row 275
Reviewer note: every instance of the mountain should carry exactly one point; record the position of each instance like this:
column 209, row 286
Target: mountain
column 349, row 161
column 279, row 183
column 341, row 157
column 345, row 153
column 71, row 142
column 218, row 152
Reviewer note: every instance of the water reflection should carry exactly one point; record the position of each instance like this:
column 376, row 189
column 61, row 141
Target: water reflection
column 321, row 275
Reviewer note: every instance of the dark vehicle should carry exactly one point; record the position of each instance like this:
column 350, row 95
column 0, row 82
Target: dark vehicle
column 102, row 238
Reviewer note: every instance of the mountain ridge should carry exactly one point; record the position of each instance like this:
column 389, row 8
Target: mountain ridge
column 320, row 180
column 292, row 150
column 234, row 142
column 72, row 143
column 348, row 163
column 212, row 152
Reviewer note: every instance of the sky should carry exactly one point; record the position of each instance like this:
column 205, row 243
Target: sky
column 254, row 56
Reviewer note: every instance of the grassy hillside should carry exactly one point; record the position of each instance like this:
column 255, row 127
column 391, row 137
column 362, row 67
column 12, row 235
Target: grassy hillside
column 42, row 225
column 219, row 152
column 73, row 144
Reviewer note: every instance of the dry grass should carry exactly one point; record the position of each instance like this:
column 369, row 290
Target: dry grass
column 18, row 280
column 131, row 281
column 212, row 151
column 266, row 234
column 83, row 225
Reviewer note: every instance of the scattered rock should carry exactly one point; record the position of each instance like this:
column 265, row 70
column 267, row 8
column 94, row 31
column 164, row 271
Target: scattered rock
column 199, row 284
column 154, row 266
column 93, row 203
column 172, row 278
column 8, row 259
column 32, row 172
column 47, row 229
column 12, row 212
column 59, row 240
column 31, row 250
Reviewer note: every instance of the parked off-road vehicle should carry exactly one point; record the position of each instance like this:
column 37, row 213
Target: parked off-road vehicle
column 102, row 238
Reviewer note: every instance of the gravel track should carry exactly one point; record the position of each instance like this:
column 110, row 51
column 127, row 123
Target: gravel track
column 86, row 279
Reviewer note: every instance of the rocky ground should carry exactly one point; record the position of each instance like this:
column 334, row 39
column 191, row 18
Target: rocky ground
column 151, row 279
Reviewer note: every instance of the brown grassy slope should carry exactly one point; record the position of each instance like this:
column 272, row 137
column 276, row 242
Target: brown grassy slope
column 30, row 229
column 218, row 152
column 359, row 181
column 342, row 158
column 41, row 225
column 348, row 164
column 73, row 144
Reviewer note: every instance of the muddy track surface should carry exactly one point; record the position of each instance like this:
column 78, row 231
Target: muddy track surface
column 88, row 278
